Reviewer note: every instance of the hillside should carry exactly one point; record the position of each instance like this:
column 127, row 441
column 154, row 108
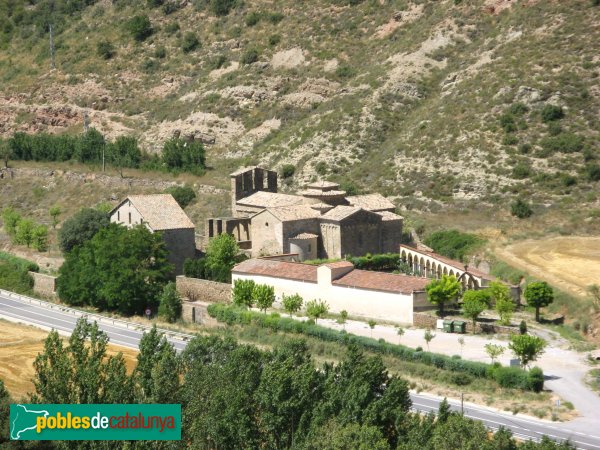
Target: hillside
column 436, row 103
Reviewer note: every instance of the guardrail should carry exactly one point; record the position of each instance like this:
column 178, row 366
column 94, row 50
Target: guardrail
column 97, row 317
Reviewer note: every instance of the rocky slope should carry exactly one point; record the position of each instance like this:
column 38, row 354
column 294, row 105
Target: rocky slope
column 433, row 102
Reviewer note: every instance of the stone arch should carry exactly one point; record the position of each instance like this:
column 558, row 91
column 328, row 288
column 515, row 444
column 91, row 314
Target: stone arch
column 428, row 269
column 403, row 256
column 421, row 266
column 451, row 272
column 445, row 271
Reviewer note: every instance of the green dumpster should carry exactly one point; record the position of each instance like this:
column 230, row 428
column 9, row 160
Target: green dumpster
column 448, row 326
column 459, row 326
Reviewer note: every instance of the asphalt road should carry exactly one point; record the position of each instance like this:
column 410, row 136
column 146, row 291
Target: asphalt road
column 129, row 336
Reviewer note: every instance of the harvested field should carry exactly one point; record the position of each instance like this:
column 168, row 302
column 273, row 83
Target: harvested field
column 570, row 263
column 20, row 344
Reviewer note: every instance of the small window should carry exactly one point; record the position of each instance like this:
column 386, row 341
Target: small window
column 141, row 221
column 360, row 239
column 129, row 217
column 309, row 248
column 266, row 224
column 119, row 216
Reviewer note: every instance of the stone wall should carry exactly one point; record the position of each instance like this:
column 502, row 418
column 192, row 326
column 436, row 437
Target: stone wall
column 195, row 290
column 197, row 312
column 44, row 285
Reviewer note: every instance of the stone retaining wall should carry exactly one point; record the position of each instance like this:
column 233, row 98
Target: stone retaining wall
column 197, row 312
column 195, row 289
column 43, row 284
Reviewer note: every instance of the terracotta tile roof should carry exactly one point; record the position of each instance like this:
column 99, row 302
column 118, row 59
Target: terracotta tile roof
column 339, row 264
column 305, row 236
column 339, row 213
column 263, row 199
column 319, row 193
column 450, row 262
column 381, row 281
column 277, row 269
column 386, row 215
column 372, row 202
column 323, row 185
column 160, row 211
column 300, row 212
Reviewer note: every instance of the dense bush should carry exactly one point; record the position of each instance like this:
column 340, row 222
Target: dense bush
column 521, row 171
column 105, row 49
column 564, row 142
column 81, row 227
column 178, row 154
column 507, row 377
column 551, row 113
column 521, row 209
column 189, row 42
column 288, row 170
column 14, row 273
column 249, row 56
column 507, row 122
column 592, row 172
column 139, row 27
column 195, row 268
column 183, row 195
column 252, row 18
column 453, row 243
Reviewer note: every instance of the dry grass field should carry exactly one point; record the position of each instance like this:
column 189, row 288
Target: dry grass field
column 570, row 263
column 20, row 344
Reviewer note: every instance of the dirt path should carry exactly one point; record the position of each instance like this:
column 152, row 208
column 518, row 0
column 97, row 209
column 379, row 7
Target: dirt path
column 570, row 263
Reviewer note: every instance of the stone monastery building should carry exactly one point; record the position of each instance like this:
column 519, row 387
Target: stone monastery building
column 319, row 222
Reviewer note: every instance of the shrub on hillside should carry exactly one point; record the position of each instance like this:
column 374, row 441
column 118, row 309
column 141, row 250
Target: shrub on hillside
column 288, row 170
column 564, row 142
column 178, row 154
column 81, row 227
column 453, row 243
column 521, row 209
column 249, row 56
column 139, row 27
column 105, row 49
column 592, row 172
column 252, row 18
column 507, row 122
column 189, row 42
column 521, row 171
column 551, row 113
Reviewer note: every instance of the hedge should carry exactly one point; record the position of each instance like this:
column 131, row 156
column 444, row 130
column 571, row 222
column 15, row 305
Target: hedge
column 508, row 377
column 21, row 263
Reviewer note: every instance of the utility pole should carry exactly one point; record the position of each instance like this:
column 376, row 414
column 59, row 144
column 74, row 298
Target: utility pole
column 52, row 48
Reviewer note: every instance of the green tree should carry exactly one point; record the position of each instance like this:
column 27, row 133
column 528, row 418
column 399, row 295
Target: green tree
column 372, row 325
column 500, row 295
column 164, row 377
column 263, row 296
column 118, row 269
column 428, row 336
column 124, row 152
column 39, row 238
column 24, row 232
column 139, row 27
column 289, row 389
column 179, row 154
column 538, row 294
column 6, row 152
column 493, row 350
column 473, row 305
column 80, row 372
column 170, row 303
column 81, row 227
column 242, row 293
column 5, row 402
column 315, row 309
column 400, row 332
column 442, row 291
column 221, row 256
column 594, row 291
column 343, row 318
column 526, row 347
column 292, row 303
column 184, row 195
column 334, row 436
column 152, row 346
column 11, row 219
column 444, row 411
column 54, row 212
